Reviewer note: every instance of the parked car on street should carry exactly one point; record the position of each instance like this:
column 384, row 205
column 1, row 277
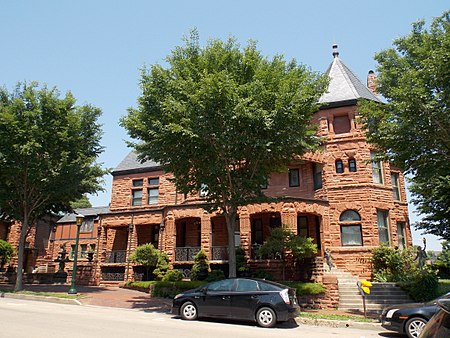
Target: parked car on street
column 410, row 318
column 249, row 299
column 439, row 325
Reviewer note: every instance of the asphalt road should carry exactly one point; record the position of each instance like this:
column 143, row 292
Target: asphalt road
column 22, row 318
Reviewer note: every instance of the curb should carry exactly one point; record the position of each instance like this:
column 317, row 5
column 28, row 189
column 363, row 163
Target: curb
column 40, row 298
column 338, row 323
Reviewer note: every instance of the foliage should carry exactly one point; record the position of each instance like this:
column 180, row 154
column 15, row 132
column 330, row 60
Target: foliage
column 82, row 202
column 442, row 263
column 162, row 266
column 172, row 276
column 48, row 155
column 444, row 286
column 241, row 263
column 334, row 316
column 413, row 128
column 6, row 252
column 200, row 268
column 393, row 265
column 423, row 286
column 171, row 289
column 282, row 241
column 147, row 256
column 233, row 117
column 215, row 275
column 303, row 289
column 262, row 274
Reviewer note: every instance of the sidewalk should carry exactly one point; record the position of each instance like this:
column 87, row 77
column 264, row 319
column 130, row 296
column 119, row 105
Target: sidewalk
column 105, row 296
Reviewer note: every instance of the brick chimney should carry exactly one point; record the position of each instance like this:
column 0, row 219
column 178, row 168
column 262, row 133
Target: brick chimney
column 371, row 79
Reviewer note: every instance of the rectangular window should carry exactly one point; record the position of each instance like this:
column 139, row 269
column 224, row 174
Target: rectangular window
column 317, row 178
column 377, row 169
column 136, row 197
column 72, row 251
column 401, row 235
column 153, row 181
column 339, row 166
column 302, row 226
column 153, row 194
column 138, row 183
column 352, row 165
column 237, row 233
column 87, row 225
column 395, row 186
column 383, row 226
column 294, row 178
column 83, row 251
column 351, row 235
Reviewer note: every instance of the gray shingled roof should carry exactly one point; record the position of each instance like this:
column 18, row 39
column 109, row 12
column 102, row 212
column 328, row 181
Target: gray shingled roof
column 344, row 85
column 86, row 212
column 131, row 163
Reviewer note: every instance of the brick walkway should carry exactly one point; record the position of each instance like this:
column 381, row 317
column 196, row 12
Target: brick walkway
column 108, row 296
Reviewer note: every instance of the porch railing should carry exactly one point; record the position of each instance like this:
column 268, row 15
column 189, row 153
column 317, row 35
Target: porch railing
column 186, row 254
column 116, row 256
column 113, row 276
column 219, row 253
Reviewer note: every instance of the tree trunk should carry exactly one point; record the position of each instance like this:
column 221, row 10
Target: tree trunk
column 20, row 255
column 230, row 218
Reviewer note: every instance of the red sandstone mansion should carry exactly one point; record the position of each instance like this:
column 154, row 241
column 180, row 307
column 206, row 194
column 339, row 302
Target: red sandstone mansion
column 339, row 196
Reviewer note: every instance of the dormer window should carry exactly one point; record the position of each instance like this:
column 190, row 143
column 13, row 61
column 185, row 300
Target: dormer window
column 339, row 166
column 341, row 124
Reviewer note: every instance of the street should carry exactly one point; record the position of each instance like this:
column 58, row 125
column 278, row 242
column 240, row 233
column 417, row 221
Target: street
column 22, row 318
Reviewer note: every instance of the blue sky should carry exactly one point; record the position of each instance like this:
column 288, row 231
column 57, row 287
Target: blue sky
column 96, row 48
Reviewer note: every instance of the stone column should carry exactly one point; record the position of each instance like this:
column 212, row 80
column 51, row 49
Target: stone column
column 245, row 231
column 289, row 217
column 169, row 236
column 205, row 236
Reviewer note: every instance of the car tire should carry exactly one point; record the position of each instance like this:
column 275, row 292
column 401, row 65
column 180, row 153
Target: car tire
column 266, row 317
column 188, row 311
column 414, row 327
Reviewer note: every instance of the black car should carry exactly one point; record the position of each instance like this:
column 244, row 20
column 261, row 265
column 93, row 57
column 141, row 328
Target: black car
column 247, row 299
column 411, row 318
column 439, row 325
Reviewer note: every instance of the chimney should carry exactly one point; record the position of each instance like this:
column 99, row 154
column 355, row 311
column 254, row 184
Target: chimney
column 371, row 82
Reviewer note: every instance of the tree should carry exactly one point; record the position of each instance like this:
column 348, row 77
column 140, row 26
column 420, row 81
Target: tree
column 282, row 243
column 48, row 150
column 82, row 202
column 413, row 128
column 147, row 256
column 224, row 118
column 6, row 252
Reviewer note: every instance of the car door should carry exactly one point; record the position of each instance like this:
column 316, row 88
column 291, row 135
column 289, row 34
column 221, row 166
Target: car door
column 245, row 299
column 216, row 299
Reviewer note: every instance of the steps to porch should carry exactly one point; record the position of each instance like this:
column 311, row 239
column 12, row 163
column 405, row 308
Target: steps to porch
column 381, row 294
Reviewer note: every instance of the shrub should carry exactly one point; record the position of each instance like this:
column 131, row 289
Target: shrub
column 171, row 289
column 6, row 252
column 242, row 268
column 393, row 265
column 424, row 286
column 215, row 275
column 147, row 256
column 173, row 276
column 162, row 266
column 201, row 266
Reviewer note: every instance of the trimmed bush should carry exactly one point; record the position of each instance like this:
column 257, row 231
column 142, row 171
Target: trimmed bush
column 173, row 276
column 215, row 275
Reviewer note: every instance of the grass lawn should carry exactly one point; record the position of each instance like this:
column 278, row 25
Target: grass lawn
column 45, row 294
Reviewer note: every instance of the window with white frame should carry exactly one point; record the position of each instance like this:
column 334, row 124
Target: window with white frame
column 383, row 226
column 377, row 169
column 401, row 235
column 395, row 186
column 351, row 230
column 153, row 195
column 136, row 197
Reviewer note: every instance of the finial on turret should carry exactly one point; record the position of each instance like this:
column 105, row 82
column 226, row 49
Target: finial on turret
column 335, row 50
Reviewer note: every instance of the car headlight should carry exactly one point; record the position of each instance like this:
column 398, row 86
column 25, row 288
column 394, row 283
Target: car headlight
column 178, row 296
column 390, row 313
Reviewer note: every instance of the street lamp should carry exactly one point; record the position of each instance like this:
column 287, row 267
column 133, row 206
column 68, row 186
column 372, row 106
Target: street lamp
column 73, row 290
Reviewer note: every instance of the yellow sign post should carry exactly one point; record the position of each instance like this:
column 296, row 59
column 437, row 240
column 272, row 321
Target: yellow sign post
column 364, row 289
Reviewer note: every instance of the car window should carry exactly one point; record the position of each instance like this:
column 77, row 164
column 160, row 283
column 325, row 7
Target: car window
column 268, row 287
column 246, row 285
column 222, row 285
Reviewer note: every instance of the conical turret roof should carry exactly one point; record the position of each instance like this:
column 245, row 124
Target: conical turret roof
column 345, row 87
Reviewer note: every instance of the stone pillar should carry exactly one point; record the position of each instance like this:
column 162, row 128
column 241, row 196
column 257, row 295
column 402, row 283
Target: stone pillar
column 170, row 237
column 289, row 217
column 205, row 236
column 245, row 231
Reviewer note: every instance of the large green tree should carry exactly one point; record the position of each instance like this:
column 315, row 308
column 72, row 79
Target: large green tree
column 223, row 118
column 48, row 153
column 413, row 128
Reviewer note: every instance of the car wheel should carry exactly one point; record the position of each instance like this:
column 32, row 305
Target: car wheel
column 414, row 327
column 188, row 311
column 266, row 317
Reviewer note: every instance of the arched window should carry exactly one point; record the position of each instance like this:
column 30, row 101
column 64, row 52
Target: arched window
column 351, row 232
column 339, row 166
column 349, row 216
column 352, row 165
